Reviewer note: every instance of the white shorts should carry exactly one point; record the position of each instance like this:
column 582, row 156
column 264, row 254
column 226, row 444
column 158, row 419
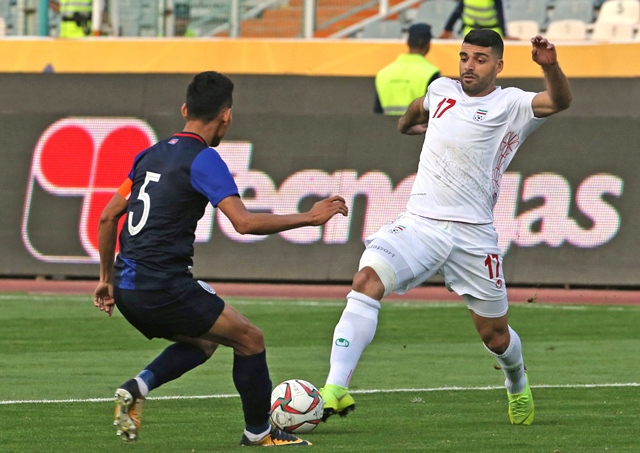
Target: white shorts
column 416, row 248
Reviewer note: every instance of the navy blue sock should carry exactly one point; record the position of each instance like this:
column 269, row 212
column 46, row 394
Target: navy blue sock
column 172, row 363
column 251, row 378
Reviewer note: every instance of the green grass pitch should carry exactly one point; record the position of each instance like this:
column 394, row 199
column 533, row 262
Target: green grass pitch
column 426, row 384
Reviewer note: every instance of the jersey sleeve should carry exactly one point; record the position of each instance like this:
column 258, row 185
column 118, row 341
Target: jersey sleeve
column 432, row 87
column 520, row 108
column 521, row 112
column 211, row 177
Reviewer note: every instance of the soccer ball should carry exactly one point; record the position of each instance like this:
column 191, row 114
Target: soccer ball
column 296, row 406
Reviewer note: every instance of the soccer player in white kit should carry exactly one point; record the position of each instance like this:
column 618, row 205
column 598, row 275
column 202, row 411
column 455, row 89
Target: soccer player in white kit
column 474, row 130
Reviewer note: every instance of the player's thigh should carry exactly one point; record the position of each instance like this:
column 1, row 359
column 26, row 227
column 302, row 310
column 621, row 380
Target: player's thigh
column 474, row 266
column 236, row 331
column 406, row 253
column 189, row 309
column 205, row 345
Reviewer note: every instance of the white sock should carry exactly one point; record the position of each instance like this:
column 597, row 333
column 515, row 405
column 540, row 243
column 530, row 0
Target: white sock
column 144, row 390
column 352, row 335
column 256, row 437
column 512, row 364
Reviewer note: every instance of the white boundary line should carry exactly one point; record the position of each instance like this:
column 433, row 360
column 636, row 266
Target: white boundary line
column 355, row 392
column 328, row 303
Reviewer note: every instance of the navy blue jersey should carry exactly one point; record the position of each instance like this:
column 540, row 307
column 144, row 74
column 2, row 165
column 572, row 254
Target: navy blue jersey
column 172, row 182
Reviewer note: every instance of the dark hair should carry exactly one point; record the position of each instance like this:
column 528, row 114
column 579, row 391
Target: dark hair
column 485, row 37
column 207, row 95
column 419, row 35
column 182, row 10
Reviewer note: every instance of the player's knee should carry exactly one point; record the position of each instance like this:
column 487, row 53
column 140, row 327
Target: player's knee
column 364, row 279
column 497, row 341
column 254, row 340
column 208, row 347
column 375, row 278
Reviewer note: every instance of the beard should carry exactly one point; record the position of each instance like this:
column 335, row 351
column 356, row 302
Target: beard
column 475, row 86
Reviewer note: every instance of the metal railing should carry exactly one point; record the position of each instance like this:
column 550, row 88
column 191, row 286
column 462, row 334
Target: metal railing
column 165, row 18
column 384, row 12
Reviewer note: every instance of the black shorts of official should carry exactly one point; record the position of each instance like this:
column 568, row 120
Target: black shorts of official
column 187, row 309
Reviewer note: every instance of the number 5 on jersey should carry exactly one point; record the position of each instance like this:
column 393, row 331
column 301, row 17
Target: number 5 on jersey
column 146, row 202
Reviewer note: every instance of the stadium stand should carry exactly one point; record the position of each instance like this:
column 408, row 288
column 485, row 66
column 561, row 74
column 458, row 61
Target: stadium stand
column 535, row 10
column 435, row 13
column 285, row 18
column 567, row 30
column 573, row 9
column 617, row 11
column 207, row 15
column 522, row 29
column 611, row 31
column 7, row 16
column 386, row 29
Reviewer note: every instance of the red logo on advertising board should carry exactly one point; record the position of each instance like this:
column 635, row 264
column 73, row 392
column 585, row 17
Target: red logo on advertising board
column 86, row 158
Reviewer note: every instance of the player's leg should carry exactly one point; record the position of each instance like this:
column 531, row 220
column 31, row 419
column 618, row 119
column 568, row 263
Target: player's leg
column 505, row 345
column 173, row 362
column 161, row 314
column 397, row 258
column 475, row 271
column 251, row 377
column 353, row 333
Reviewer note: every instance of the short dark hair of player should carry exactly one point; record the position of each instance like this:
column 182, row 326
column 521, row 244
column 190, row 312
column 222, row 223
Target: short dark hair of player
column 485, row 37
column 207, row 95
column 419, row 35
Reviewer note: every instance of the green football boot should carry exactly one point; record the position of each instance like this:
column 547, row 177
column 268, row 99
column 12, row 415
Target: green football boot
column 336, row 401
column 521, row 405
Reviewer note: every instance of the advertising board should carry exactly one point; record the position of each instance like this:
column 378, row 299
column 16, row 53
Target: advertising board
column 566, row 213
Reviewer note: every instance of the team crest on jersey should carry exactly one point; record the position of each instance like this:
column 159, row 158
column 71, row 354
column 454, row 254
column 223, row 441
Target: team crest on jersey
column 397, row 229
column 480, row 115
column 206, row 287
column 173, row 141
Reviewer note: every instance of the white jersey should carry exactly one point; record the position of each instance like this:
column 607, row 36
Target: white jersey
column 469, row 143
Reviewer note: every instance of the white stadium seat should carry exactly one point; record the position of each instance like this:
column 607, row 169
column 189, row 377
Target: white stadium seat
column 567, row 30
column 611, row 31
column 620, row 11
column 523, row 29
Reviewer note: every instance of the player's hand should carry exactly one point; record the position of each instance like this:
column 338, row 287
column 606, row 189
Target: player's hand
column 446, row 34
column 543, row 52
column 323, row 210
column 417, row 129
column 103, row 297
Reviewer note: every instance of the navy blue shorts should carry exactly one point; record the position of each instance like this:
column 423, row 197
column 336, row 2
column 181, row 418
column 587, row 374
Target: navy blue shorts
column 190, row 309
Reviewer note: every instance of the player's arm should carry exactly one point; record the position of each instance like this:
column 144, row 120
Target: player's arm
column 415, row 119
column 455, row 15
column 499, row 5
column 107, row 236
column 246, row 222
column 557, row 96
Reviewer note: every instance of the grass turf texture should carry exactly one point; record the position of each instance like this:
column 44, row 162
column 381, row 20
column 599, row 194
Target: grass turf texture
column 62, row 348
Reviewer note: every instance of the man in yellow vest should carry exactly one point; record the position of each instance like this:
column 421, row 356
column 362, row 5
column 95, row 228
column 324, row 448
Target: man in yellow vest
column 182, row 13
column 408, row 77
column 75, row 20
column 476, row 14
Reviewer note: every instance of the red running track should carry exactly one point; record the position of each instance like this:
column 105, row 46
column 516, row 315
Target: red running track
column 315, row 292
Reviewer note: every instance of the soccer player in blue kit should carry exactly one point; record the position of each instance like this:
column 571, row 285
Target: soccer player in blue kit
column 151, row 283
